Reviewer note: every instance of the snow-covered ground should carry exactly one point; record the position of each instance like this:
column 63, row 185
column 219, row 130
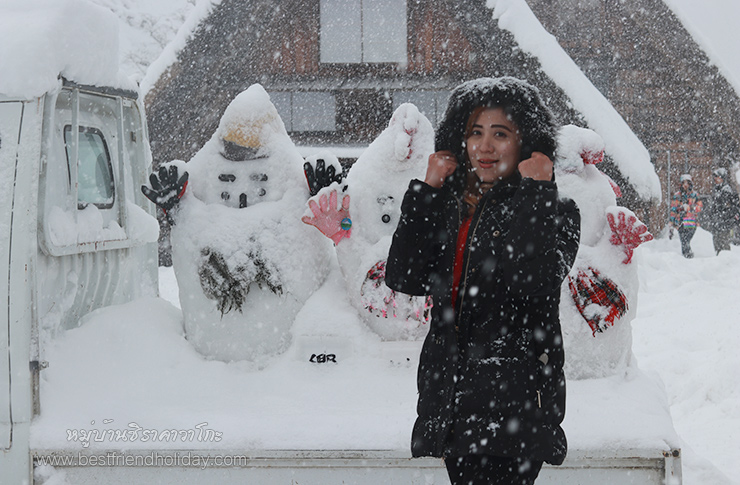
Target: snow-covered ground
column 686, row 337
column 139, row 368
column 686, row 333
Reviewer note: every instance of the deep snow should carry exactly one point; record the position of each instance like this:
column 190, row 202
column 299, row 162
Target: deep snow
column 685, row 336
column 686, row 333
column 139, row 368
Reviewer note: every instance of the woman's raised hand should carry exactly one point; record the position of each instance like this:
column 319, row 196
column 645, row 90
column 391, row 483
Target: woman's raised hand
column 441, row 165
column 538, row 167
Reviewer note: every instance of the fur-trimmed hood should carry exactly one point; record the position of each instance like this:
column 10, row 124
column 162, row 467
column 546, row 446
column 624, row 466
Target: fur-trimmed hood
column 521, row 101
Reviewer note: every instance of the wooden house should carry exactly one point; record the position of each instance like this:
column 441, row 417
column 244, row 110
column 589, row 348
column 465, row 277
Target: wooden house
column 336, row 69
column 640, row 56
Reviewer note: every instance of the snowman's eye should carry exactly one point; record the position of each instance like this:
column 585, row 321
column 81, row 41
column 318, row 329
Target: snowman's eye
column 386, row 218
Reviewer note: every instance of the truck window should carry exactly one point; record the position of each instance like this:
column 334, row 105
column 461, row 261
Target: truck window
column 94, row 170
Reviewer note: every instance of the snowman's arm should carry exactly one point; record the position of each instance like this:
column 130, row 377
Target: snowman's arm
column 414, row 255
column 627, row 230
column 318, row 175
column 542, row 242
column 323, row 213
column 167, row 187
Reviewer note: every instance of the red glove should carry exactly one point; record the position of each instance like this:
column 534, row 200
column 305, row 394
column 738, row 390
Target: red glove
column 333, row 222
column 627, row 230
column 598, row 299
column 591, row 158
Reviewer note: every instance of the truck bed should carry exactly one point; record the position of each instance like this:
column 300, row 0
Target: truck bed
column 306, row 467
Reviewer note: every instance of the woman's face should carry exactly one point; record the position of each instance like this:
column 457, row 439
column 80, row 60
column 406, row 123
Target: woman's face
column 494, row 146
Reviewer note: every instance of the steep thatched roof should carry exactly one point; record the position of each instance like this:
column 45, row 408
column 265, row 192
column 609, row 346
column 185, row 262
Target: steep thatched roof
column 276, row 43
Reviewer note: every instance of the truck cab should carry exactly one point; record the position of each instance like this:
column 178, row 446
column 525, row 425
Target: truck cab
column 76, row 233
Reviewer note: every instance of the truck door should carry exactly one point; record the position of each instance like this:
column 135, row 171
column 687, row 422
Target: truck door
column 10, row 116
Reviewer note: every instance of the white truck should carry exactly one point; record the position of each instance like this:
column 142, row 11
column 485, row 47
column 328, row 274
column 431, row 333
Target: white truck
column 77, row 236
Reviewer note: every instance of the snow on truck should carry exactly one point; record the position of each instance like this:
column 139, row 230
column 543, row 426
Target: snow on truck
column 100, row 382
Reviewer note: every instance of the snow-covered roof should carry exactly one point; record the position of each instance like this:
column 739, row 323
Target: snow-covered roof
column 41, row 40
column 200, row 11
column 629, row 154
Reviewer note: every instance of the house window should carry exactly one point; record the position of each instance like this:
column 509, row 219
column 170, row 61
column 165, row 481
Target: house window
column 306, row 111
column 431, row 104
column 94, row 170
column 370, row 31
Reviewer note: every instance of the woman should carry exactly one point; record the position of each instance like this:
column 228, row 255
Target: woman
column 487, row 236
column 685, row 207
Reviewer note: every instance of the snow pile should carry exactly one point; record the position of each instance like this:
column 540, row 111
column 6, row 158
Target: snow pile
column 138, row 368
column 686, row 332
column 628, row 152
column 41, row 40
column 88, row 226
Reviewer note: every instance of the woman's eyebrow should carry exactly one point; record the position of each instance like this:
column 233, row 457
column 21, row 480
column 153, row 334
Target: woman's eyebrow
column 476, row 125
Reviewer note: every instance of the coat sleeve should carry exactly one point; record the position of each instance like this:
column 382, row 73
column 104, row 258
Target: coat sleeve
column 414, row 253
column 675, row 218
column 542, row 243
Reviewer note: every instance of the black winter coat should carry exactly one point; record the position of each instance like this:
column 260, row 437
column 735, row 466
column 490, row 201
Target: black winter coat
column 723, row 209
column 490, row 376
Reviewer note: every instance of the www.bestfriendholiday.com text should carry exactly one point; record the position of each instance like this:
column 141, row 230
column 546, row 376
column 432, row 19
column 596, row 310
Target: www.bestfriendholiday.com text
column 184, row 459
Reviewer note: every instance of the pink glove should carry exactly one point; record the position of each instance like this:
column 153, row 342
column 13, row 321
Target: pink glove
column 627, row 230
column 333, row 222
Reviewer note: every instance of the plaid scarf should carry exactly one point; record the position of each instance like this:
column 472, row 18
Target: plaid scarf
column 597, row 298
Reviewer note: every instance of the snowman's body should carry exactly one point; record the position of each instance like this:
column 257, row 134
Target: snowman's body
column 244, row 262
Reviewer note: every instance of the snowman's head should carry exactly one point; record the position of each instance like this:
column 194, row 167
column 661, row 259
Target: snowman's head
column 250, row 126
column 380, row 176
column 578, row 147
column 250, row 158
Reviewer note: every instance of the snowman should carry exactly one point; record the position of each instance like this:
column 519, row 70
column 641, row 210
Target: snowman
column 599, row 297
column 360, row 215
column 244, row 262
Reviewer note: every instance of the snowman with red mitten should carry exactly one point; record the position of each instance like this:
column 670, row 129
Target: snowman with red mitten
column 360, row 215
column 599, row 296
